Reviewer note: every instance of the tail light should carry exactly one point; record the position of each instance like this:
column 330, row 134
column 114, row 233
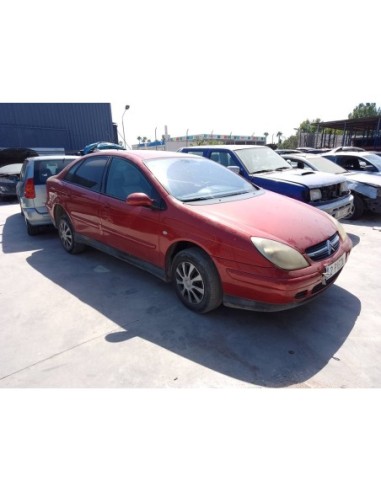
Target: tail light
column 29, row 191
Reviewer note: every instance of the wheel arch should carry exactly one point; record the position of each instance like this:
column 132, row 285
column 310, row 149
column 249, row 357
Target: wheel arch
column 181, row 246
column 58, row 212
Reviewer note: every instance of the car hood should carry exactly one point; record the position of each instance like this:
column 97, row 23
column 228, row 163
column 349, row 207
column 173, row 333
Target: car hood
column 270, row 215
column 312, row 179
column 373, row 179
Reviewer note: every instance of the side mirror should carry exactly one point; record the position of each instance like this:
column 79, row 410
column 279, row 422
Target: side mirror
column 139, row 200
column 235, row 169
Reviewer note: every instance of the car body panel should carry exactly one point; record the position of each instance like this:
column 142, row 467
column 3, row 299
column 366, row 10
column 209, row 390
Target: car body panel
column 149, row 236
column 38, row 169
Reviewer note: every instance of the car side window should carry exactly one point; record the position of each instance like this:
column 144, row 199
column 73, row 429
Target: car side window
column 366, row 166
column 88, row 173
column 124, row 178
column 222, row 157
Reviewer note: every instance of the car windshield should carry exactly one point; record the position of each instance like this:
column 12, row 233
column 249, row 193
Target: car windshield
column 262, row 159
column 323, row 164
column 196, row 178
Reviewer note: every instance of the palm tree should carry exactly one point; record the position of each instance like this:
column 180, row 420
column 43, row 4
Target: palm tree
column 279, row 134
column 266, row 134
column 139, row 138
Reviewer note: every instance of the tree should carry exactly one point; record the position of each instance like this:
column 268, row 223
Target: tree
column 308, row 126
column 266, row 134
column 362, row 110
column 139, row 139
column 289, row 143
column 279, row 134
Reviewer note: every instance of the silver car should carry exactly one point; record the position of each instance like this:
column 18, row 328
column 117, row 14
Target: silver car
column 31, row 189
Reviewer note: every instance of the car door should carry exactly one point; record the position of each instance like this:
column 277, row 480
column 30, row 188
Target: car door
column 83, row 184
column 135, row 230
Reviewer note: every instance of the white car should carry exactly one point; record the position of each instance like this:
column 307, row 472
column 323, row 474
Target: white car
column 363, row 175
column 31, row 189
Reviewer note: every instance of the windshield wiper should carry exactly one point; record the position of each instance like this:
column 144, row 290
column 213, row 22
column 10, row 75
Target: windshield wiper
column 262, row 171
column 281, row 168
column 196, row 199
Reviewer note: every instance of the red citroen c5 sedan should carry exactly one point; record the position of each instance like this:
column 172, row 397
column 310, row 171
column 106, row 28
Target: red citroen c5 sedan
column 188, row 220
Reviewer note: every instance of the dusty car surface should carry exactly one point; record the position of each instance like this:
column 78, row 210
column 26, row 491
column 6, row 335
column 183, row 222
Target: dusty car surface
column 264, row 167
column 190, row 221
column 365, row 186
column 9, row 176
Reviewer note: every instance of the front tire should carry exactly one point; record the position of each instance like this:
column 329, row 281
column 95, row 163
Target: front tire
column 358, row 208
column 196, row 280
column 67, row 236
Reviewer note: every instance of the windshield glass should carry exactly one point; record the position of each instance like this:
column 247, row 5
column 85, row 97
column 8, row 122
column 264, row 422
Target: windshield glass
column 323, row 164
column 261, row 159
column 196, row 178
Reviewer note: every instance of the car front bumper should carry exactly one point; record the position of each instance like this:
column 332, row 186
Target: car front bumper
column 340, row 208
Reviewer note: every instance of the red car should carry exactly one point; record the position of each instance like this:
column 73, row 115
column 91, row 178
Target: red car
column 190, row 221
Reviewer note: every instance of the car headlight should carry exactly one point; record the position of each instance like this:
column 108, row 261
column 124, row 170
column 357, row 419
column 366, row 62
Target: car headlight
column 344, row 187
column 340, row 228
column 315, row 195
column 280, row 254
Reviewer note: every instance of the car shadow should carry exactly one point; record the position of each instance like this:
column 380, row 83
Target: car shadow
column 369, row 219
column 267, row 349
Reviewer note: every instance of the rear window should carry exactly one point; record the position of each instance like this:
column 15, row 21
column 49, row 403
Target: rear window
column 44, row 169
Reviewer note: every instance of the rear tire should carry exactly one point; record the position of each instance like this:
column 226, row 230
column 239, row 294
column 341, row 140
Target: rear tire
column 67, row 236
column 31, row 230
column 358, row 208
column 196, row 280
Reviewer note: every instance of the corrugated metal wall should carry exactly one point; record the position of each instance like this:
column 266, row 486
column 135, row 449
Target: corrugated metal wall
column 67, row 125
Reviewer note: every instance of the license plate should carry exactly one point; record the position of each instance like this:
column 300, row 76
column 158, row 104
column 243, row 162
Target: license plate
column 341, row 213
column 334, row 267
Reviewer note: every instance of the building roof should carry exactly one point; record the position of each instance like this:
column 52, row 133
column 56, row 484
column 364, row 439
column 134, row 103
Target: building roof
column 369, row 123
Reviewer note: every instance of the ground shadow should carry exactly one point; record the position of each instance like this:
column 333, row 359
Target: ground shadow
column 267, row 349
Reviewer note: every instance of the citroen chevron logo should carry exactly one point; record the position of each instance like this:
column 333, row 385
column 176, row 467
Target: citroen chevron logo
column 330, row 247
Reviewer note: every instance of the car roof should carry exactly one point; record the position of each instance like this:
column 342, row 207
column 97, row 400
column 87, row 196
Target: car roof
column 143, row 154
column 348, row 153
column 11, row 168
column 229, row 147
column 49, row 157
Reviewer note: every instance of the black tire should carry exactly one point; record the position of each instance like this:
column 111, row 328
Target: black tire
column 196, row 280
column 67, row 236
column 358, row 208
column 31, row 230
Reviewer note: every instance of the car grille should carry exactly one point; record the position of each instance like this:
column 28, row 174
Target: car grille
column 325, row 249
column 332, row 192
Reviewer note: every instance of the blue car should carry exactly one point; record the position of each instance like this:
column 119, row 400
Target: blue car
column 101, row 146
column 263, row 167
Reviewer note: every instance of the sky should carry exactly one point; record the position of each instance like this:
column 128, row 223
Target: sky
column 242, row 67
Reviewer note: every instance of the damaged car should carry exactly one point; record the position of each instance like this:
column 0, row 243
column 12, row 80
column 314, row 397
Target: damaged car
column 364, row 184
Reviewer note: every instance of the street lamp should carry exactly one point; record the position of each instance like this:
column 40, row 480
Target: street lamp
column 126, row 107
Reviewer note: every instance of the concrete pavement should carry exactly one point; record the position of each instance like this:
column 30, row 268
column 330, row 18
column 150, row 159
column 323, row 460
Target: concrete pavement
column 91, row 321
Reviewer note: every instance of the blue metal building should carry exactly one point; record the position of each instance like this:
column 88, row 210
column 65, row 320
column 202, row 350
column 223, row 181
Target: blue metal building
column 56, row 125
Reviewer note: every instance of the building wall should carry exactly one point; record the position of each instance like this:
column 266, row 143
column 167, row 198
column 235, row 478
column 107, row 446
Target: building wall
column 67, row 125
